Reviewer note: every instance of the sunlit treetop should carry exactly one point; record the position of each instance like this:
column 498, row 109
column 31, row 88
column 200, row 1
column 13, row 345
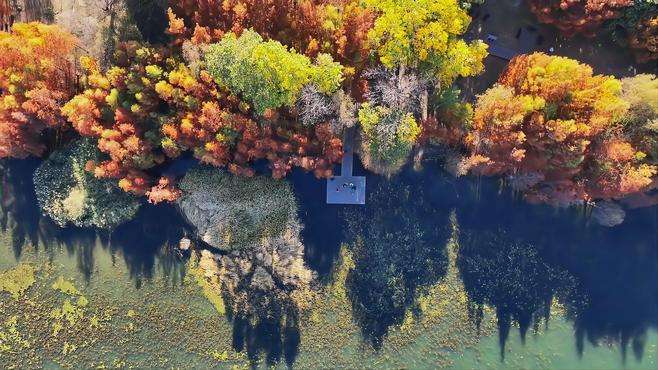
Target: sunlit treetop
column 36, row 78
column 592, row 100
column 336, row 27
column 266, row 73
column 425, row 34
column 553, row 127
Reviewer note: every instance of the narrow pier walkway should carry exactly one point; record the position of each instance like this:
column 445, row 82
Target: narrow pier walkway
column 346, row 188
column 527, row 40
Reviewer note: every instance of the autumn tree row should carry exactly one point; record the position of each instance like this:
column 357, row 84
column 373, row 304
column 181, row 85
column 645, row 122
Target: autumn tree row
column 632, row 23
column 278, row 81
column 238, row 83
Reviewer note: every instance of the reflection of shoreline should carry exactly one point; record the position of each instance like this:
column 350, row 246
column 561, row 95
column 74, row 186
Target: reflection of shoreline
column 616, row 265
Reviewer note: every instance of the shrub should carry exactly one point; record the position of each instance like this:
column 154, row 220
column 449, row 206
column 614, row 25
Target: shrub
column 230, row 212
column 69, row 194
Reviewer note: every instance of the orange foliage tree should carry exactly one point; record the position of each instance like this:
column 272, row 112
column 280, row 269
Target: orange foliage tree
column 36, row 79
column 577, row 16
column 339, row 27
column 637, row 28
column 150, row 108
column 552, row 127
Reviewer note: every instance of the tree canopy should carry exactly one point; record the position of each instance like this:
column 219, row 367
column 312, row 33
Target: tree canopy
column 552, row 127
column 36, row 79
column 266, row 73
column 425, row 34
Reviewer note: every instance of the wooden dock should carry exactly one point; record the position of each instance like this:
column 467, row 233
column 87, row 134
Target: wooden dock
column 527, row 38
column 346, row 188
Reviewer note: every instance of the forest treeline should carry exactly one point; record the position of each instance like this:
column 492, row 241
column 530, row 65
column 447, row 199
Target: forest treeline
column 238, row 83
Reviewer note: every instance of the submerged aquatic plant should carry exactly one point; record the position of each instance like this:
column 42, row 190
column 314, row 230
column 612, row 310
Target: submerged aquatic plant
column 232, row 212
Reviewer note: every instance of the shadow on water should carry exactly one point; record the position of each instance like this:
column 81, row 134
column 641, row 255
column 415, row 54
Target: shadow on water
column 323, row 223
column 514, row 254
column 398, row 243
column 267, row 338
column 265, row 324
column 150, row 241
column 144, row 243
column 511, row 277
column 20, row 215
column 618, row 272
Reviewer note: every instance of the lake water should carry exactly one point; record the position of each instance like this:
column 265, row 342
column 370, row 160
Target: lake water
column 432, row 272
column 455, row 273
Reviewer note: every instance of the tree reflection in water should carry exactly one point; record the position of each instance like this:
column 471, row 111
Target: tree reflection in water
column 614, row 295
column 398, row 242
column 267, row 288
column 511, row 277
column 144, row 242
column 606, row 278
column 149, row 241
column 618, row 273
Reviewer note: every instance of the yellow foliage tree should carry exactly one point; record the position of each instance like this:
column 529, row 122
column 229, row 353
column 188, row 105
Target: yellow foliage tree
column 36, row 78
column 425, row 34
column 553, row 128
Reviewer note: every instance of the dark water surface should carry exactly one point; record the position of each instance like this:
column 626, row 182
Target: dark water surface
column 514, row 260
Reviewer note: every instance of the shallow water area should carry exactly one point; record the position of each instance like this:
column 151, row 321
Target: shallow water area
column 583, row 297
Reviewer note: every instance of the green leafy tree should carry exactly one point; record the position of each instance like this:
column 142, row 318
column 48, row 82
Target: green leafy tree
column 388, row 137
column 266, row 73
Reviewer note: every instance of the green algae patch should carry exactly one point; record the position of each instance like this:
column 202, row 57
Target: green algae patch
column 69, row 311
column 17, row 280
column 208, row 283
column 10, row 337
column 65, row 286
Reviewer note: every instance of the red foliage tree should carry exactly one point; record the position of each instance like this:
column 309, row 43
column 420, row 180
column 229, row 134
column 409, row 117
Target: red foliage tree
column 150, row 107
column 337, row 27
column 577, row 16
column 643, row 37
